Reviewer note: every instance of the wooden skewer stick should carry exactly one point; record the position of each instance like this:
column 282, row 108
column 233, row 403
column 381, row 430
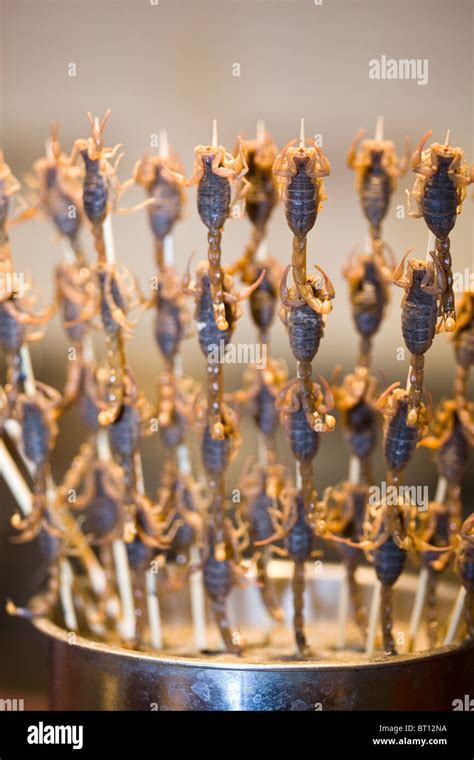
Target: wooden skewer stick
column 215, row 141
column 344, row 595
column 379, row 128
column 302, row 134
column 127, row 624
column 455, row 617
column 374, row 618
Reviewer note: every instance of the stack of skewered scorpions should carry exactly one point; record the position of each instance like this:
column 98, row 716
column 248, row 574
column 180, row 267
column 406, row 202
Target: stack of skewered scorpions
column 217, row 310
column 303, row 405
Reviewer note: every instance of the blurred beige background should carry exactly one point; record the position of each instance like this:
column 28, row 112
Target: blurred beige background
column 171, row 65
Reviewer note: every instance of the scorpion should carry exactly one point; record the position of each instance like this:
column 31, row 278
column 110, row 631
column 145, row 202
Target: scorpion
column 59, row 194
column 368, row 277
column 465, row 569
column 214, row 172
column 452, row 435
column 439, row 526
column 377, row 169
column 124, row 435
column 463, row 338
column 439, row 191
column 53, row 548
column 172, row 318
column 345, row 507
column 419, row 317
column 355, row 399
column 162, row 179
column 73, row 294
column 304, row 415
column 260, row 199
column 300, row 172
column 221, row 569
column 261, row 488
column 400, row 438
column 389, row 534
column 211, row 337
column 37, row 415
column 16, row 314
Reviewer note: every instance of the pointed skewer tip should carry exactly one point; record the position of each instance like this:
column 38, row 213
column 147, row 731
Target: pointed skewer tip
column 214, row 134
column 302, row 135
column 379, row 127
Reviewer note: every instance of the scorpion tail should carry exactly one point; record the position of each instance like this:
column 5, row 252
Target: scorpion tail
column 231, row 639
column 298, row 600
column 267, row 591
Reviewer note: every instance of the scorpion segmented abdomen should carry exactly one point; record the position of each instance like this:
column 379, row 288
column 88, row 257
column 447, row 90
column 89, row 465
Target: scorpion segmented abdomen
column 419, row 315
column 124, row 432
column 299, row 542
column 301, row 201
column 95, row 191
column 265, row 412
column 260, row 522
column 64, row 213
column 303, row 440
column 440, row 201
column 139, row 554
column 389, row 560
column 369, row 301
column 168, row 326
column 215, row 453
column 263, row 302
column 217, row 576
column 305, row 330
column 36, row 435
column 464, row 346
column 110, row 325
column 261, row 196
column 172, row 434
column 185, row 535
column 213, row 197
column 12, row 332
column 361, row 436
column 400, row 439
column 375, row 194
column 71, row 313
column 209, row 335
column 102, row 515
column 452, row 456
column 166, row 209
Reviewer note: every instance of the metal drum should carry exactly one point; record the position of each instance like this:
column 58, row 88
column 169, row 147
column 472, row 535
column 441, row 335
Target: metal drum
column 88, row 675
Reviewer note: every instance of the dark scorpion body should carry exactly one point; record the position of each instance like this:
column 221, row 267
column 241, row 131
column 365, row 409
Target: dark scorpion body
column 214, row 172
column 400, row 438
column 355, row 399
column 441, row 526
column 300, row 172
column 368, row 277
column 419, row 317
column 260, row 200
column 439, row 191
column 377, row 169
column 163, row 181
